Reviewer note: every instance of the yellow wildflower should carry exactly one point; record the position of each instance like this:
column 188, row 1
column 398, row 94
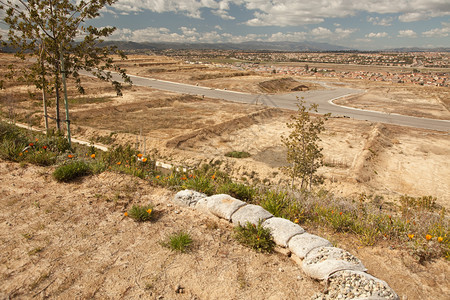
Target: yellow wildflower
column 149, row 211
column 411, row 236
column 440, row 239
column 296, row 221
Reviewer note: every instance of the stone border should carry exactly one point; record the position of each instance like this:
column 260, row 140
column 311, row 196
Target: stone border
column 303, row 247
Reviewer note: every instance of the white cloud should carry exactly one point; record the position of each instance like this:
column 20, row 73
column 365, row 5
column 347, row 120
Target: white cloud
column 284, row 13
column 218, row 27
column 380, row 21
column 321, row 32
column 376, row 35
column 407, row 33
column 438, row 32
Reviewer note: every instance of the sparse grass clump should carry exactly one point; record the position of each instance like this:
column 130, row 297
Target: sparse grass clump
column 180, row 241
column 141, row 213
column 255, row 236
column 72, row 170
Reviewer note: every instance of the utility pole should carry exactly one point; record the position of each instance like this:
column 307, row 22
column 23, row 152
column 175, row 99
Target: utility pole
column 44, row 98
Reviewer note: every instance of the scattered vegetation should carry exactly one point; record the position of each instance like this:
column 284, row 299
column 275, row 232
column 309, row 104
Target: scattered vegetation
column 416, row 224
column 180, row 241
column 255, row 236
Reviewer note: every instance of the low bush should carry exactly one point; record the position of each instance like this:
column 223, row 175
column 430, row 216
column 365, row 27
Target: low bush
column 71, row 170
column 238, row 190
column 255, row 236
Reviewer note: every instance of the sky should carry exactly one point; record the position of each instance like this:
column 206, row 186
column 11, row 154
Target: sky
column 358, row 24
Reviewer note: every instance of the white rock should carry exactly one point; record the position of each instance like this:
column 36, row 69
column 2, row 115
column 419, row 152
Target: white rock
column 222, row 205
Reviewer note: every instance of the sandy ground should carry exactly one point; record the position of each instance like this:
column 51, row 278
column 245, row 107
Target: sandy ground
column 66, row 241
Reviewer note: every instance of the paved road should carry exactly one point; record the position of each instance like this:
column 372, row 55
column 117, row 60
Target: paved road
column 323, row 98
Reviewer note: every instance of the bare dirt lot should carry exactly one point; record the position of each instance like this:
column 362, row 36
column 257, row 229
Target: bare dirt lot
column 65, row 240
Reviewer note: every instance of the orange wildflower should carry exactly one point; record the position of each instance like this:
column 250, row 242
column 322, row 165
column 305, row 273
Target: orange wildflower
column 45, row 147
column 31, row 144
column 149, row 211
column 144, row 159
column 70, row 156
column 411, row 236
column 428, row 237
column 184, row 178
column 139, row 155
column 119, row 163
column 126, row 214
column 214, row 176
column 93, row 155
column 340, row 213
column 296, row 221
column 20, row 154
column 440, row 239
column 157, row 177
column 36, row 139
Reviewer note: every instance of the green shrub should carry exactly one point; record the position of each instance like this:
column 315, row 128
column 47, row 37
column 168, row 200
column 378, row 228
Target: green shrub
column 237, row 154
column 255, row 236
column 12, row 150
column 141, row 213
column 41, row 158
column 238, row 190
column 200, row 184
column 275, row 202
column 180, row 241
column 71, row 171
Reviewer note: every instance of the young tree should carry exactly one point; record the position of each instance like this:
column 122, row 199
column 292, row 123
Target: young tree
column 55, row 34
column 303, row 152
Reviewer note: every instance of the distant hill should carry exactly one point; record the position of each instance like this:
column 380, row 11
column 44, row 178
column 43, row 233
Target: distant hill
column 245, row 46
column 305, row 46
column 418, row 49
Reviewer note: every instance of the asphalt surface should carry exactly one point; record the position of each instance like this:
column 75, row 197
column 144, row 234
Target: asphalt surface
column 324, row 98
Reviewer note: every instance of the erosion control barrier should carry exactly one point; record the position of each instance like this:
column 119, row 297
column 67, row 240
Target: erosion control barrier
column 343, row 274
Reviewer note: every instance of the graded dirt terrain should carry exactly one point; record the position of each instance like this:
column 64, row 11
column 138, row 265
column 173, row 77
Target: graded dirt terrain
column 65, row 241
column 359, row 156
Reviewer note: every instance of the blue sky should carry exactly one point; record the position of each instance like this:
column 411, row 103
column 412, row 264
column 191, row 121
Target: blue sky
column 362, row 24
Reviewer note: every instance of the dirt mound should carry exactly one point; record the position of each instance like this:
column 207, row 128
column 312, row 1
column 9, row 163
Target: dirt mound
column 282, row 85
column 189, row 140
column 377, row 140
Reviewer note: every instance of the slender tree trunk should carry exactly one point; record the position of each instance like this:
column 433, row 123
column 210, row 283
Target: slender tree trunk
column 44, row 98
column 66, row 102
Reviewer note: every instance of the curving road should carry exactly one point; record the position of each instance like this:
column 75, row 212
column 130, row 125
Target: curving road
column 324, row 98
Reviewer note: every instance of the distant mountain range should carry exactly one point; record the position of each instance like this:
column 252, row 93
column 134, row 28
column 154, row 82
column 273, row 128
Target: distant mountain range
column 247, row 46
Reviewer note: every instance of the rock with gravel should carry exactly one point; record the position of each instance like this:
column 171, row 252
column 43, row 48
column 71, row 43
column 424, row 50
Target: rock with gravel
column 301, row 244
column 356, row 285
column 319, row 263
column 250, row 213
column 282, row 230
column 188, row 198
column 222, row 205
